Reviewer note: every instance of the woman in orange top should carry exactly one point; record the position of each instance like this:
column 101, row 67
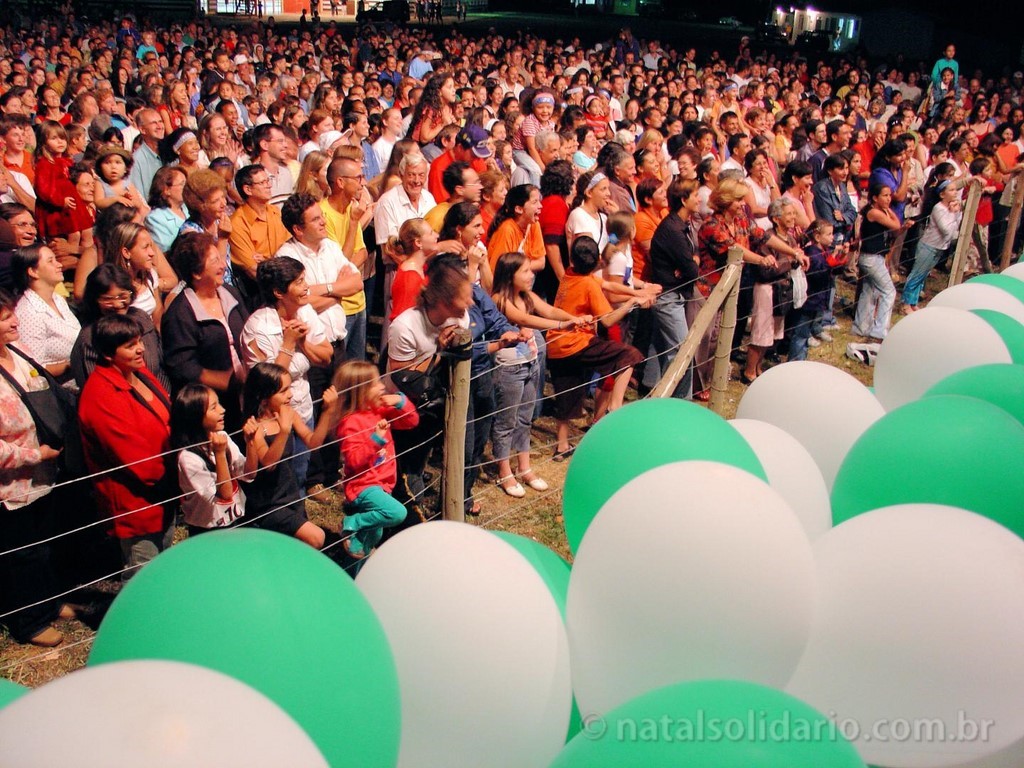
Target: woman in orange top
column 652, row 207
column 576, row 352
column 516, row 228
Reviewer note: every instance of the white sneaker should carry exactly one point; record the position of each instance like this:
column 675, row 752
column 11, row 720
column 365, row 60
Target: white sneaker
column 830, row 327
column 825, row 336
column 813, row 342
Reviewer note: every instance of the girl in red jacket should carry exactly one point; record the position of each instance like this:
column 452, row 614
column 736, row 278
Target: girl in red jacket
column 56, row 196
column 368, row 452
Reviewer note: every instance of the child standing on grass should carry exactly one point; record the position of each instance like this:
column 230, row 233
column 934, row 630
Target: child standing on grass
column 809, row 327
column 368, row 451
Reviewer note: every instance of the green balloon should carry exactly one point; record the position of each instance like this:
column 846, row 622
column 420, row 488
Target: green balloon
column 945, row 449
column 1009, row 330
column 555, row 573
column 10, row 691
column 277, row 615
column 998, row 383
column 711, row 724
column 1006, row 283
column 640, row 436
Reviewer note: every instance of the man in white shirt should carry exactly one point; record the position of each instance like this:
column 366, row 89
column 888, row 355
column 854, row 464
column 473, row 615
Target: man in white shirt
column 270, row 145
column 330, row 277
column 408, row 200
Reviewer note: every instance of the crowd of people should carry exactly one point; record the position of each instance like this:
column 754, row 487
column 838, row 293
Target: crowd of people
column 234, row 263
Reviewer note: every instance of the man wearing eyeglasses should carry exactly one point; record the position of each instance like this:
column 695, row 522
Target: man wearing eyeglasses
column 256, row 229
column 347, row 209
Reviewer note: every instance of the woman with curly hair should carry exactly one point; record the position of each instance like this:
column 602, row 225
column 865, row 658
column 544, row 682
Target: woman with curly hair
column 434, row 109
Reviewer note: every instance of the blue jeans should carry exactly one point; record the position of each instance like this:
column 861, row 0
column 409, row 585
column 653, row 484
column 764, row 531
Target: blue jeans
column 925, row 259
column 808, row 323
column 515, row 387
column 355, row 341
column 367, row 516
column 827, row 318
column 670, row 331
column 874, row 310
column 300, row 456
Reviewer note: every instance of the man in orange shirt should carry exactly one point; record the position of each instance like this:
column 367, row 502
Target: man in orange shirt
column 256, row 229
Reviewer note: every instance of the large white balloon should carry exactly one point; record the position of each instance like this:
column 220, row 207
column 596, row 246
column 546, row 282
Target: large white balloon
column 918, row 640
column 824, row 408
column 791, row 471
column 1015, row 270
column 480, row 646
column 692, row 570
column 159, row 714
column 928, row 346
column 974, row 295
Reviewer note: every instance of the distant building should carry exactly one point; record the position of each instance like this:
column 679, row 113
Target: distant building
column 832, row 30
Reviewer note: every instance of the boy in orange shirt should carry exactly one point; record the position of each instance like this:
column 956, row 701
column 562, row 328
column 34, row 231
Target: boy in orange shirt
column 577, row 352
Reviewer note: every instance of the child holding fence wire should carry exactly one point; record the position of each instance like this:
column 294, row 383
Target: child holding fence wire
column 367, row 414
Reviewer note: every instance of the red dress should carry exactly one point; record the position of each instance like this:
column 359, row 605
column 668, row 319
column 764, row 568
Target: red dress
column 53, row 186
column 120, row 429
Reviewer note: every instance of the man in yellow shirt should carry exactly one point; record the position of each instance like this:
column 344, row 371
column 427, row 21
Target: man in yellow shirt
column 345, row 209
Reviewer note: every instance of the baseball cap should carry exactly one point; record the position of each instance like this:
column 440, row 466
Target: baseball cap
column 241, row 59
column 474, row 138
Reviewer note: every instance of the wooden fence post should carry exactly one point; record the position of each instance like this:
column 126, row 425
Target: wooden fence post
column 963, row 243
column 453, row 468
column 680, row 364
column 726, row 333
column 1013, row 221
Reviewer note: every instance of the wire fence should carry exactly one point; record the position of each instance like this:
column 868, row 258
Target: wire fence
column 481, row 493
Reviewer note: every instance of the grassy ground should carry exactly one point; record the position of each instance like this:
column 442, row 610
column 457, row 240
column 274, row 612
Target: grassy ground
column 537, row 516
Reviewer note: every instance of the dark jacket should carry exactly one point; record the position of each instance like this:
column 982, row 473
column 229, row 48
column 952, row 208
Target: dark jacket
column 194, row 341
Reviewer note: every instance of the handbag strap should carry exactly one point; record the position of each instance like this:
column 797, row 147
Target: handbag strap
column 40, row 369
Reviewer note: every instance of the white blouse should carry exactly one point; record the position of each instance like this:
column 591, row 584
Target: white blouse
column 264, row 330
column 46, row 334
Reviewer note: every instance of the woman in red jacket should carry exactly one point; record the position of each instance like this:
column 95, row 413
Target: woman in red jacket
column 124, row 415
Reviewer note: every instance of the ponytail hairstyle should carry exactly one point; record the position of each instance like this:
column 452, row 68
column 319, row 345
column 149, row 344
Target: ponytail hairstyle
column 517, row 197
column 400, row 247
column 621, row 228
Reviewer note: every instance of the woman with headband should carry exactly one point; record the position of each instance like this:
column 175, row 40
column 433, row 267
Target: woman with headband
column 181, row 149
column 590, row 209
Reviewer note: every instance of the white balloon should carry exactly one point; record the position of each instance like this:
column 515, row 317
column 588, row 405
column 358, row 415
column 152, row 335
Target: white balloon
column 824, row 408
column 975, row 295
column 1010, row 757
column 929, row 345
column 159, row 714
column 480, row 646
column 791, row 471
column 918, row 628
column 692, row 570
column 1015, row 270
